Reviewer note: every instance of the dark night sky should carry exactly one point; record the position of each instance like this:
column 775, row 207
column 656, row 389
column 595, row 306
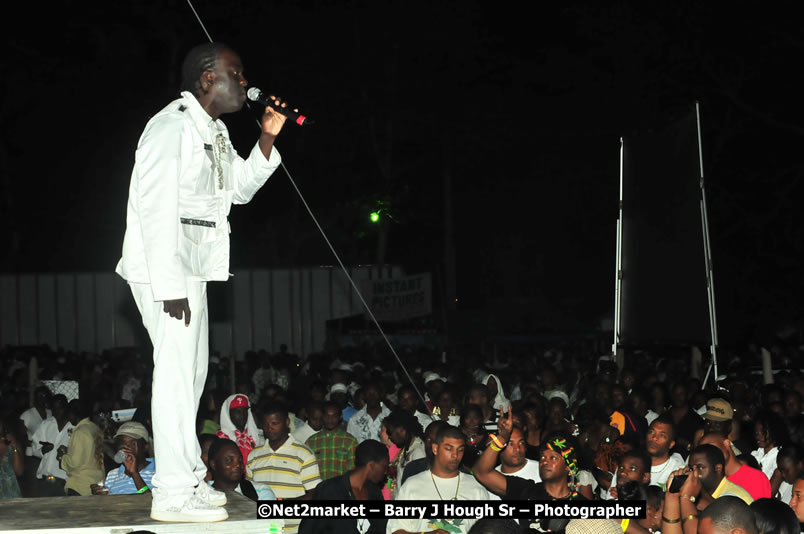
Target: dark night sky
column 523, row 108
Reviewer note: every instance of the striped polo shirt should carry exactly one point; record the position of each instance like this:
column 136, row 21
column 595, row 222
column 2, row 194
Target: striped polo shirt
column 290, row 470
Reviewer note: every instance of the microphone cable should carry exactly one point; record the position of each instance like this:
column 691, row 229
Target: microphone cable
column 334, row 253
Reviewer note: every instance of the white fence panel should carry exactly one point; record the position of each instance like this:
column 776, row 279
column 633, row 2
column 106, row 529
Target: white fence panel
column 260, row 309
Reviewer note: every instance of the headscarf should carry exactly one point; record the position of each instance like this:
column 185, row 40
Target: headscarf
column 250, row 438
column 562, row 446
column 499, row 400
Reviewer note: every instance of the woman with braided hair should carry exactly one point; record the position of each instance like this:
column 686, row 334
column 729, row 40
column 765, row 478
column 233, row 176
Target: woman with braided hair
column 558, row 469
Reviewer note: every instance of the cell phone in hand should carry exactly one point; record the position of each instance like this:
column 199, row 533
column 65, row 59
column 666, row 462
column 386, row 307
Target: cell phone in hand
column 678, row 481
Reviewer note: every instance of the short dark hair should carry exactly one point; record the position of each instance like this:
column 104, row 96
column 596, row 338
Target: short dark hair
column 203, row 438
column 713, row 455
column 730, row 512
column 632, row 491
column 654, row 496
column 451, row 432
column 271, row 408
column 406, row 388
column 80, row 408
column 716, row 433
column 773, row 515
column 370, row 450
column 436, row 425
column 219, row 444
column 492, row 525
column 666, row 420
column 792, row 453
column 329, row 404
column 641, row 455
column 199, row 59
column 480, row 388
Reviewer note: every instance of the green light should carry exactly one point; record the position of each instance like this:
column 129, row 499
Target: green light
column 375, row 216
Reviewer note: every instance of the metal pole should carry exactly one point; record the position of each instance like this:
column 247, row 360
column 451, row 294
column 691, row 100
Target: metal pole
column 618, row 267
column 710, row 285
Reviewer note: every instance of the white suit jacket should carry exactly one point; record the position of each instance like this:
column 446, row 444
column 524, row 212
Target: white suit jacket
column 176, row 223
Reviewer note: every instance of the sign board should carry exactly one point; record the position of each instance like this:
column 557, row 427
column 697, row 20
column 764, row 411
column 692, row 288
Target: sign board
column 399, row 299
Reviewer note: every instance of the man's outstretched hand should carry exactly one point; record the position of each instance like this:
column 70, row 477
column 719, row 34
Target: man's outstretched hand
column 178, row 309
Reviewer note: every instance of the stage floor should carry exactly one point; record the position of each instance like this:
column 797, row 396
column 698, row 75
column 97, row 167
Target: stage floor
column 119, row 514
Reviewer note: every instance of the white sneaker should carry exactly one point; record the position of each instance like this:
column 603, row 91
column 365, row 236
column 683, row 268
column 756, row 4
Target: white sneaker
column 207, row 493
column 194, row 510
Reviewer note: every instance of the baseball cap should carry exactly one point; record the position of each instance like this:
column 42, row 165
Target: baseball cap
column 430, row 376
column 133, row 430
column 558, row 394
column 239, row 401
column 338, row 388
column 718, row 410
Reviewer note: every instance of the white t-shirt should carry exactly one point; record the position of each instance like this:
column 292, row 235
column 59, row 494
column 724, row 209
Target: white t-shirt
column 303, row 432
column 424, row 419
column 49, row 432
column 767, row 460
column 529, row 471
column 785, row 492
column 660, row 473
column 426, row 486
column 31, row 419
column 586, row 478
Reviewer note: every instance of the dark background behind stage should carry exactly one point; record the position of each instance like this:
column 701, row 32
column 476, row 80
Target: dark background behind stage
column 501, row 119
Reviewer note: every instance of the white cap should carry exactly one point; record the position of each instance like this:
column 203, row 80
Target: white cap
column 557, row 393
column 338, row 388
column 430, row 376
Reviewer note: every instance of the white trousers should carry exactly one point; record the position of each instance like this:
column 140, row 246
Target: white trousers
column 181, row 358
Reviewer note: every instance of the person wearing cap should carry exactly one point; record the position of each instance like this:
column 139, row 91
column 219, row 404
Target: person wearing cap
column 339, row 394
column 135, row 473
column 717, row 418
column 433, row 384
column 593, row 526
column 238, row 425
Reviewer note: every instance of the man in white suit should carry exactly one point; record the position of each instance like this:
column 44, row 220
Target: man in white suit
column 186, row 177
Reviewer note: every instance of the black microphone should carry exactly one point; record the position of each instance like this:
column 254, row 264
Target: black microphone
column 255, row 95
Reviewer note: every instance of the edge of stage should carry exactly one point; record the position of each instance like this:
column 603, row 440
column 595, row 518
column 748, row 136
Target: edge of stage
column 119, row 514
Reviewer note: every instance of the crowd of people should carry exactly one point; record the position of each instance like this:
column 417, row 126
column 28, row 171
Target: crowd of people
column 350, row 425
